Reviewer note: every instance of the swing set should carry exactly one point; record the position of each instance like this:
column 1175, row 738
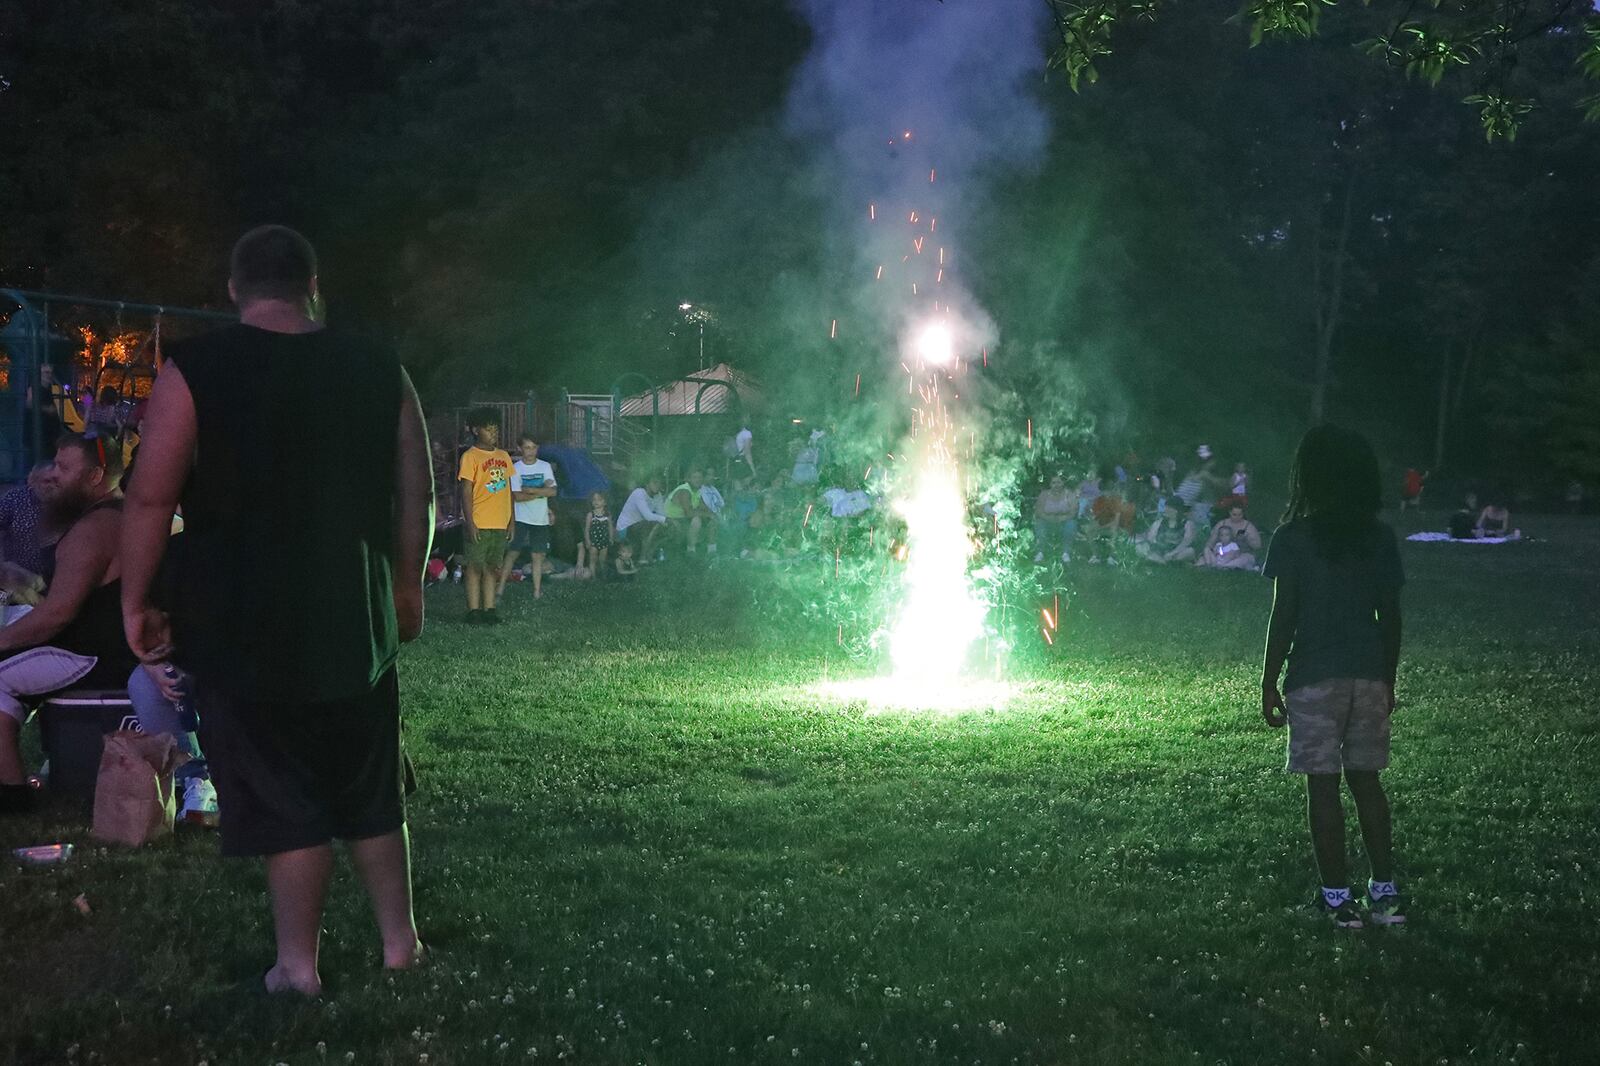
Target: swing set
column 34, row 391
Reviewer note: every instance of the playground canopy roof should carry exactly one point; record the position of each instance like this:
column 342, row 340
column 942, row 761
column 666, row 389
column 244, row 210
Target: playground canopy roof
column 708, row 392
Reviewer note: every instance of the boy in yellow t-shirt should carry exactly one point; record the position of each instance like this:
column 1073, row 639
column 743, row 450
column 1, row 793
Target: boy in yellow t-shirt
column 486, row 510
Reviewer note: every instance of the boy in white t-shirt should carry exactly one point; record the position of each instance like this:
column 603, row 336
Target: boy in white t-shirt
column 533, row 482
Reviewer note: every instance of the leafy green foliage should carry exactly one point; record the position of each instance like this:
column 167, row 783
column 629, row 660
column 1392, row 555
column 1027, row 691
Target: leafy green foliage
column 1083, row 33
column 1475, row 38
column 1283, row 18
column 1500, row 115
column 1422, row 52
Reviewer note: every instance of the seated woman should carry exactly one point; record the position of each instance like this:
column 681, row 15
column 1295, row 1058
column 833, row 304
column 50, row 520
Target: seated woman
column 1055, row 519
column 1495, row 521
column 763, row 540
column 1225, row 552
column 1244, row 531
column 1169, row 540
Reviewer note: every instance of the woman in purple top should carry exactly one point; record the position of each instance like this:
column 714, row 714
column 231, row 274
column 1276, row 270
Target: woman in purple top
column 22, row 523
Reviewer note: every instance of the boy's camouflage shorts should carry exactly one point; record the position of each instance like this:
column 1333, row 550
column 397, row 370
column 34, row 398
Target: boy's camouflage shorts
column 487, row 551
column 1338, row 724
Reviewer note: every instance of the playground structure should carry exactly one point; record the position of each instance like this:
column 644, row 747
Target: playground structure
column 627, row 432
column 35, row 358
column 52, row 371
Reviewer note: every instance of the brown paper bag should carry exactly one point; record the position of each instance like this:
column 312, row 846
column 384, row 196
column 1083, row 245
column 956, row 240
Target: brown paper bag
column 133, row 799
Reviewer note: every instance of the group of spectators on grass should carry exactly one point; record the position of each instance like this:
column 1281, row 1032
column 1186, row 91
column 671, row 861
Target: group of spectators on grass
column 508, row 514
column 1113, row 515
column 1200, row 519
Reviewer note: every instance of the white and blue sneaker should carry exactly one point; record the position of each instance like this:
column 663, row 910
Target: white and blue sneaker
column 1384, row 907
column 199, row 803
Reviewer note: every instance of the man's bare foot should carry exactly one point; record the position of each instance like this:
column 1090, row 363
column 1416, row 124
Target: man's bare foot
column 277, row 980
column 406, row 959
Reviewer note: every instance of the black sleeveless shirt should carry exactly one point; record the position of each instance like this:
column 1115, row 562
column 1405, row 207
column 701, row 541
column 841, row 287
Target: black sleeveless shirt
column 97, row 630
column 284, row 589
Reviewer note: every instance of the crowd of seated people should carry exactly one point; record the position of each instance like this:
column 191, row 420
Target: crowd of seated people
column 60, row 576
column 720, row 507
column 1115, row 514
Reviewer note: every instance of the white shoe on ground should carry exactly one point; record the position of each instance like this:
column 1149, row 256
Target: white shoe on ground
column 199, row 803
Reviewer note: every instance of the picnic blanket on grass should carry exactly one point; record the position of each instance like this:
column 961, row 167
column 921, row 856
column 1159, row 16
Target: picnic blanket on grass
column 1431, row 537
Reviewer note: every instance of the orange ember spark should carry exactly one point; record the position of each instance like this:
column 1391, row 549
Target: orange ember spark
column 1030, row 433
column 1048, row 639
column 858, row 384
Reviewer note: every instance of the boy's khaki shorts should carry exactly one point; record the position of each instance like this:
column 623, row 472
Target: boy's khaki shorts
column 1339, row 724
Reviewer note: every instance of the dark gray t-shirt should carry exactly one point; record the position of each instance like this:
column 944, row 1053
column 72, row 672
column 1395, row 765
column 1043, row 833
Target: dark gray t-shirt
column 1336, row 634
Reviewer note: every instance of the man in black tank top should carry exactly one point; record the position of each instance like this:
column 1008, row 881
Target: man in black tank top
column 74, row 636
column 300, row 458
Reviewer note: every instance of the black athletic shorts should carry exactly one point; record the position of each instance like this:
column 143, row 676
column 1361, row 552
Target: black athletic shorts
column 531, row 538
column 295, row 775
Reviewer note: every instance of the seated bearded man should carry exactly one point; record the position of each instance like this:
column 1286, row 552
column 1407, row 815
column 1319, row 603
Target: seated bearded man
column 74, row 637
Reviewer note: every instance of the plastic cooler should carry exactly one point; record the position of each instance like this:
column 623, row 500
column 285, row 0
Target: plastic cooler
column 73, row 726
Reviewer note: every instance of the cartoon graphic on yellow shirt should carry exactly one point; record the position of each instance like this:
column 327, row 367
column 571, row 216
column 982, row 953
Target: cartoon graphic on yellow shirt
column 489, row 475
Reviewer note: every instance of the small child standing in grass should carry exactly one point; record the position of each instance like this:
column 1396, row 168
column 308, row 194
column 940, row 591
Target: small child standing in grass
column 485, row 478
column 598, row 533
column 1336, row 621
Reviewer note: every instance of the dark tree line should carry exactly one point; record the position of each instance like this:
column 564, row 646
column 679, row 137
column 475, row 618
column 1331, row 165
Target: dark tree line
column 1221, row 239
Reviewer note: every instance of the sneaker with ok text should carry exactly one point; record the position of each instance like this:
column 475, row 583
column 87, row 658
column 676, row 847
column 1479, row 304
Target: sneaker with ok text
column 199, row 803
column 1345, row 916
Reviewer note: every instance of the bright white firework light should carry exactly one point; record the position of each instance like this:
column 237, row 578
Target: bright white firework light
column 935, row 344
column 940, row 615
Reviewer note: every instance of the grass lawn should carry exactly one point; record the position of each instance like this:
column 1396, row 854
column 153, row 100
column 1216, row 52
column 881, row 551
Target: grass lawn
column 642, row 837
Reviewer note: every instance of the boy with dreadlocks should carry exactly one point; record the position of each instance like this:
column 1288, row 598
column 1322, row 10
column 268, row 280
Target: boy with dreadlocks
column 1336, row 620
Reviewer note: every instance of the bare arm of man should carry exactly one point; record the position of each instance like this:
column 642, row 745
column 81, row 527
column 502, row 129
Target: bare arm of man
column 82, row 561
column 166, row 456
column 413, row 511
